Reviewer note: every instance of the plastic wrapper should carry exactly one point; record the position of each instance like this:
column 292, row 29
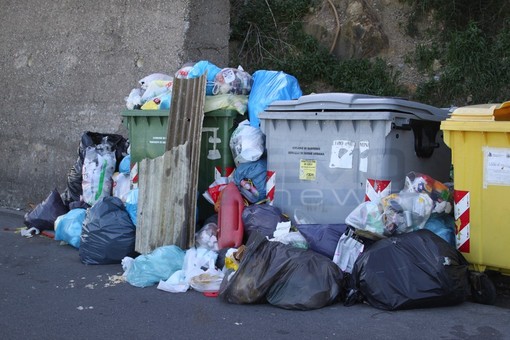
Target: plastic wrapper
column 212, row 195
column 134, row 99
column 197, row 261
column 439, row 193
column 98, row 168
column 183, row 72
column 155, row 89
column 144, row 82
column 160, row 102
column 405, row 212
column 347, row 251
column 284, row 276
column 412, row 270
column 232, row 81
column 269, row 86
column 68, row 227
column 121, row 185
column 207, row 237
column 209, row 281
column 367, row 216
column 247, row 143
column 226, row 102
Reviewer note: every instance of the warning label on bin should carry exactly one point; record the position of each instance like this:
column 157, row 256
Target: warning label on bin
column 496, row 169
column 308, row 169
column 341, row 154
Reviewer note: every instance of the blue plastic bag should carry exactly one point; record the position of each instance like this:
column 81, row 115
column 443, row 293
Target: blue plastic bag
column 443, row 225
column 147, row 270
column 250, row 178
column 200, row 68
column 132, row 204
column 269, row 86
column 69, row 227
column 125, row 165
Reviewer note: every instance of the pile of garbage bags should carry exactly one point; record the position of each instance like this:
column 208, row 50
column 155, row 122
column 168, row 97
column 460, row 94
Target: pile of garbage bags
column 395, row 253
column 96, row 213
column 226, row 88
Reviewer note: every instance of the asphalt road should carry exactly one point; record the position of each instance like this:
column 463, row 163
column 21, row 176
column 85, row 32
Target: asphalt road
column 47, row 293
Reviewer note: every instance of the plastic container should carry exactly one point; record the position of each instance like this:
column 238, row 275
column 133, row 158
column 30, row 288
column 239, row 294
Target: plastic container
column 230, row 221
column 479, row 138
column 329, row 152
column 215, row 157
column 147, row 136
column 147, row 132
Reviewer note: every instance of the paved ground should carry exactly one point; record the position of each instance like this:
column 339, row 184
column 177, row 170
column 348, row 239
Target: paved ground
column 47, row 293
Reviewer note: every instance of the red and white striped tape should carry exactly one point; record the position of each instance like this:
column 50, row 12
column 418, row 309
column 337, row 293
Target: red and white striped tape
column 461, row 211
column 270, row 186
column 218, row 172
column 377, row 189
column 133, row 175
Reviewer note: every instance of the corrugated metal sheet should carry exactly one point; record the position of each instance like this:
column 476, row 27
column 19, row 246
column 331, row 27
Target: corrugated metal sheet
column 168, row 184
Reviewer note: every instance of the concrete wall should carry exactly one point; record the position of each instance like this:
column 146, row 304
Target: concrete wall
column 66, row 66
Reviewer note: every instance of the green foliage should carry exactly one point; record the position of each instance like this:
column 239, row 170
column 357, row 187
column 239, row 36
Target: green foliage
column 424, row 57
column 269, row 35
column 471, row 42
column 476, row 67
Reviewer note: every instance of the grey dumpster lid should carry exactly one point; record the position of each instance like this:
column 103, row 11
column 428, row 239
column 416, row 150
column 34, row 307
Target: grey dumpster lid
column 349, row 102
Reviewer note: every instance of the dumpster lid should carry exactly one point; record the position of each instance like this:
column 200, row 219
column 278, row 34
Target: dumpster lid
column 348, row 102
column 482, row 112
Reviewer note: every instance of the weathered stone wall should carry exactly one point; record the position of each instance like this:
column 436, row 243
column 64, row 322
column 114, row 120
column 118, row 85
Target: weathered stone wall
column 67, row 65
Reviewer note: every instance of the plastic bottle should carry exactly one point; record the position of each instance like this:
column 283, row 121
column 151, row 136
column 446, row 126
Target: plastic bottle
column 230, row 222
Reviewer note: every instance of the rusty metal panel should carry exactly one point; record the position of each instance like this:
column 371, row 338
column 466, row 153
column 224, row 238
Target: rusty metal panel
column 161, row 216
column 168, row 184
column 185, row 125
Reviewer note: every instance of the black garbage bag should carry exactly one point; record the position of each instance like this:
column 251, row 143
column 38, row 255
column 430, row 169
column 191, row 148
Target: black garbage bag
column 44, row 215
column 282, row 275
column 322, row 238
column 412, row 270
column 118, row 143
column 108, row 234
column 262, row 218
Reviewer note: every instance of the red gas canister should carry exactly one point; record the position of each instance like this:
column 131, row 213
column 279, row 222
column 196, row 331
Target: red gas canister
column 230, row 222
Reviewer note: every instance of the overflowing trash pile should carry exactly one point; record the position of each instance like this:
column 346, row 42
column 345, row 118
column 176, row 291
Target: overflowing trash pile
column 395, row 253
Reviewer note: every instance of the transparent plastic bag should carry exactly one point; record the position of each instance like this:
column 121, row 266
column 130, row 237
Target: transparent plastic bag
column 247, row 143
column 405, row 212
column 367, row 216
column 98, row 168
column 232, row 81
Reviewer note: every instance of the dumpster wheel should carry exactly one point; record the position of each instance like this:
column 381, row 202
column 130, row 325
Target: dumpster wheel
column 483, row 289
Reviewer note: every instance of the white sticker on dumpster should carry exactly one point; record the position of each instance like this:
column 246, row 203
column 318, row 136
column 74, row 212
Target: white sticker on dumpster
column 341, row 154
column 364, row 146
column 496, row 170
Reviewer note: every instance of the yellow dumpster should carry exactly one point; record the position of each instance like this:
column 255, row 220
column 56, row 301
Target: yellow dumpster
column 479, row 138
